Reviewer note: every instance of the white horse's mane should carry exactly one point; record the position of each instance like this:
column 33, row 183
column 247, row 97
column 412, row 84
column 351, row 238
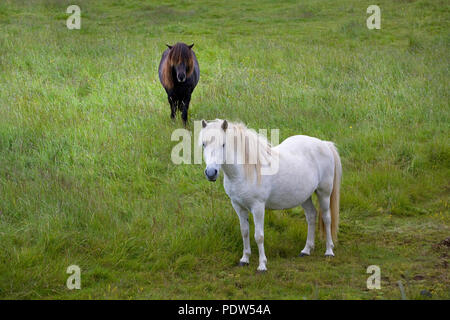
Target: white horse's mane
column 253, row 150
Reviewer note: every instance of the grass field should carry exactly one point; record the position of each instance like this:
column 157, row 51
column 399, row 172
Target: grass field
column 85, row 170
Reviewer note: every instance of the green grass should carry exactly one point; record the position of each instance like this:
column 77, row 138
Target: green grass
column 85, row 170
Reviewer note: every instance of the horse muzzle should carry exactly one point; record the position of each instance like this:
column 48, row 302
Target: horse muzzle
column 211, row 174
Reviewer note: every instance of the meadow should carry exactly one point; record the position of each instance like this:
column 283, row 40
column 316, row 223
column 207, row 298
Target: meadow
column 86, row 176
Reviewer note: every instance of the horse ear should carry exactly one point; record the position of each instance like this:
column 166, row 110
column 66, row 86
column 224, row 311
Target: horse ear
column 190, row 47
column 224, row 125
column 169, row 46
column 204, row 123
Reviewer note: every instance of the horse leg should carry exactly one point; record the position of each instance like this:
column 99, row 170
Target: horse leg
column 324, row 201
column 245, row 232
column 310, row 213
column 185, row 108
column 173, row 107
column 258, row 217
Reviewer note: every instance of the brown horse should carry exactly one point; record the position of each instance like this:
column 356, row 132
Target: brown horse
column 179, row 74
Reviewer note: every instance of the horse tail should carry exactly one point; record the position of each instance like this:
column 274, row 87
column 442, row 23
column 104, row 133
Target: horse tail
column 334, row 198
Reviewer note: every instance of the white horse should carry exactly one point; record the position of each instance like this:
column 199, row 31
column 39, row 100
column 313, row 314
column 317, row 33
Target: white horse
column 303, row 164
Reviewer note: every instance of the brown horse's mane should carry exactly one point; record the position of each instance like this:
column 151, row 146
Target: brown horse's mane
column 178, row 54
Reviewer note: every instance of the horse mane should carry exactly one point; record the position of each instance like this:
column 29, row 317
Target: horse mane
column 178, row 54
column 254, row 150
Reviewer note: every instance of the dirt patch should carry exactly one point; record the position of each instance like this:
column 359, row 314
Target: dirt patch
column 443, row 244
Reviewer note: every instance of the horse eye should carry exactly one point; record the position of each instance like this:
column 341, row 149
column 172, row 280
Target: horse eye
column 204, row 145
column 223, row 145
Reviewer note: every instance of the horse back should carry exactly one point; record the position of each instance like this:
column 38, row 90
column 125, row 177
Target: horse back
column 160, row 69
column 196, row 73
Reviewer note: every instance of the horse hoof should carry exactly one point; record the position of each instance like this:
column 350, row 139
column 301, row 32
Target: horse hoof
column 303, row 255
column 329, row 255
column 243, row 264
column 261, row 271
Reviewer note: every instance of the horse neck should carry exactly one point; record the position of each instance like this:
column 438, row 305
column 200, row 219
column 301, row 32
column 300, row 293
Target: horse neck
column 233, row 172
